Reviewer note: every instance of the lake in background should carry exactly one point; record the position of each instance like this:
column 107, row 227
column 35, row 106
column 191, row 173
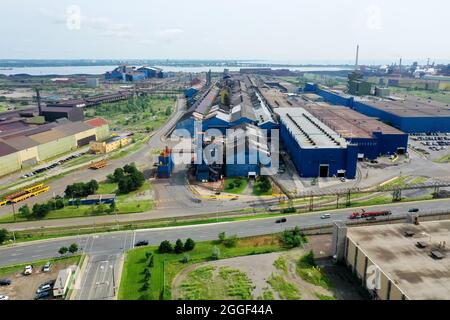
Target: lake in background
column 98, row 70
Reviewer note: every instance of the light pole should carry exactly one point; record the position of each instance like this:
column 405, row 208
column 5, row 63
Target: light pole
column 14, row 212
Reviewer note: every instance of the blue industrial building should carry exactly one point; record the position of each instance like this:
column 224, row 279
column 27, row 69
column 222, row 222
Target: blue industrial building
column 244, row 155
column 315, row 149
column 406, row 113
column 165, row 164
column 95, row 199
column 130, row 74
column 372, row 137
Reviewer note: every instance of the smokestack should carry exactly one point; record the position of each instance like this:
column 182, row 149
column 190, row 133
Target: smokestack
column 357, row 56
column 38, row 98
column 400, row 67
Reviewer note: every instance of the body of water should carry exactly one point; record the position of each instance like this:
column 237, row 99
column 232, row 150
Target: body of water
column 97, row 70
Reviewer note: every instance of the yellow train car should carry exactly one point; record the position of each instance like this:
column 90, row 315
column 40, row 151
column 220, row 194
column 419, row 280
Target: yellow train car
column 3, row 203
column 34, row 188
column 28, row 195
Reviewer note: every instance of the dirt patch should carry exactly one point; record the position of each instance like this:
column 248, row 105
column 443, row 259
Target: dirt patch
column 24, row 287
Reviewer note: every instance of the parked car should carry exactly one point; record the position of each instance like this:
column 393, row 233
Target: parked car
column 5, row 282
column 46, row 267
column 141, row 243
column 326, row 216
column 413, row 210
column 43, row 295
column 47, row 286
column 371, row 218
column 282, row 220
column 3, row 297
column 28, row 270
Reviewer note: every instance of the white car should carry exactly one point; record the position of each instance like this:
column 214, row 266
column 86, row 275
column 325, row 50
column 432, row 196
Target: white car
column 3, row 297
column 46, row 267
column 326, row 216
column 28, row 270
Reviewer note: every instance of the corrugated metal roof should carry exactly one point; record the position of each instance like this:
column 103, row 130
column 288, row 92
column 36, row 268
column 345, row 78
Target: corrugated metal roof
column 97, row 122
column 47, row 136
column 6, row 149
column 73, row 128
column 21, row 142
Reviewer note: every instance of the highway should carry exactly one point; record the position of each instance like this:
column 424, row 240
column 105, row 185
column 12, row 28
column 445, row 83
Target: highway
column 119, row 242
column 100, row 279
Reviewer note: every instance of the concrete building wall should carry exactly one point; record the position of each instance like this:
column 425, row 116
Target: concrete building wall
column 9, row 163
column 360, row 265
column 102, row 132
column 29, row 154
column 56, row 147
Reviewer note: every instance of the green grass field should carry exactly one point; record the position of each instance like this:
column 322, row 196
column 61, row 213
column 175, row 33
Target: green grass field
column 212, row 283
column 235, row 185
column 286, row 290
column 167, row 266
column 126, row 203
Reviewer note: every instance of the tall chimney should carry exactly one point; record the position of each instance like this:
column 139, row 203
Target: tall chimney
column 38, row 98
column 357, row 56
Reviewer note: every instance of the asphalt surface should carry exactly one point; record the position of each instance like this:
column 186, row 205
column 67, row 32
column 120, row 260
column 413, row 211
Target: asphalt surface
column 119, row 242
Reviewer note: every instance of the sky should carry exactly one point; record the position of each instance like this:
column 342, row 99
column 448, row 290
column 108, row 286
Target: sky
column 295, row 31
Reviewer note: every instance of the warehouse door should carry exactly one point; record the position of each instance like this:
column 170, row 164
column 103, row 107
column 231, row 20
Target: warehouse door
column 401, row 151
column 323, row 170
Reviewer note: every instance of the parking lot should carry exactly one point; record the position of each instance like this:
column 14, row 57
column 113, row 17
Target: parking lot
column 24, row 287
column 433, row 145
column 53, row 165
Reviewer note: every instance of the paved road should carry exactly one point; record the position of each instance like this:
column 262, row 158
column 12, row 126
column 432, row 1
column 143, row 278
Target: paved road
column 99, row 281
column 119, row 242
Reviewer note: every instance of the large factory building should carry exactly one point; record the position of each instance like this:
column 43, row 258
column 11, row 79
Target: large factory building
column 33, row 144
column 315, row 149
column 408, row 114
column 404, row 261
column 373, row 137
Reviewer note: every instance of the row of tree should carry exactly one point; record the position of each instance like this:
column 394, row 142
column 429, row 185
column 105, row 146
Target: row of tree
column 40, row 210
column 73, row 248
column 166, row 246
column 81, row 189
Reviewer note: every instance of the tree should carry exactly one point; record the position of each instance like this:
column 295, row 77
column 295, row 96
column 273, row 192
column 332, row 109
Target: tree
column 63, row 250
column 118, row 174
column 215, row 255
column 4, row 235
column 222, row 236
column 230, row 242
column 189, row 245
column 186, row 258
column 59, row 203
column 73, row 248
column 25, row 211
column 77, row 202
column 179, row 246
column 165, row 247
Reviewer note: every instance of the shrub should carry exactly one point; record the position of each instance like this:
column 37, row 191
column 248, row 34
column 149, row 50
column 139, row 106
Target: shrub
column 222, row 236
column 215, row 255
column 73, row 248
column 230, row 242
column 189, row 245
column 63, row 250
column 4, row 235
column 186, row 258
column 165, row 247
column 293, row 238
column 179, row 246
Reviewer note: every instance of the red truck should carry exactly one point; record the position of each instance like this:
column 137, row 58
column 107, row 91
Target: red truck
column 364, row 214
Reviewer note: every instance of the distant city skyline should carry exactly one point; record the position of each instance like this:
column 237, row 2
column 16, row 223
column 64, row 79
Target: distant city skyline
column 286, row 31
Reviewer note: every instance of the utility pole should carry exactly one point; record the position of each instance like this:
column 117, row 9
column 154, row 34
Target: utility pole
column 14, row 212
